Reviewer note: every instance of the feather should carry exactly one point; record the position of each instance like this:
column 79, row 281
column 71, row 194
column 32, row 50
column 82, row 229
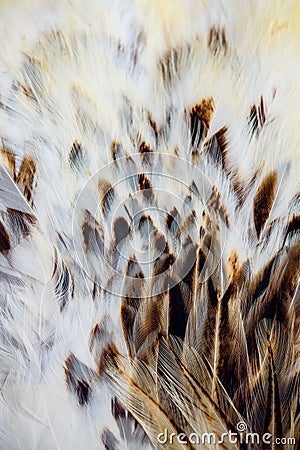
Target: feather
column 149, row 224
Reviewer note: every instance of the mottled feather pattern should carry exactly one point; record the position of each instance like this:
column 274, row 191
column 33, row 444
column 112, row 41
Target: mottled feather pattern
column 149, row 224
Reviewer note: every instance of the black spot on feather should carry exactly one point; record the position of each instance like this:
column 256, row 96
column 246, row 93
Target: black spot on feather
column 169, row 65
column 216, row 147
column 78, row 378
column 121, row 230
column 20, row 222
column 262, row 281
column 169, row 220
column 293, row 227
column 178, row 311
column 173, row 223
column 257, row 117
column 117, row 408
column 92, row 233
column 217, row 40
column 146, row 220
column 64, row 284
column 97, row 335
column 216, row 204
column 129, row 310
column 263, row 201
column 26, row 177
column 4, row 239
column 76, row 156
column 116, row 150
column 145, row 186
column 146, row 226
column 153, row 125
column 134, row 269
column 145, row 148
column 87, row 230
column 108, row 357
column 200, row 118
column 107, row 194
column 9, row 160
column 226, row 366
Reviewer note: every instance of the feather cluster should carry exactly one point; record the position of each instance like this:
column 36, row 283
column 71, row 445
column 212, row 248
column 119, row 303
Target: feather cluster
column 149, row 224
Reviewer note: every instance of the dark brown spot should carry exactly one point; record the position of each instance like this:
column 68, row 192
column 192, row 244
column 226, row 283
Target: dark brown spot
column 116, row 150
column 178, row 311
column 165, row 259
column 200, row 118
column 263, row 201
column 64, row 284
column 146, row 220
column 217, row 40
column 121, row 230
column 242, row 188
column 160, row 243
column 261, row 281
column 172, row 220
column 20, row 222
column 100, row 335
column 76, row 156
column 134, row 269
column 87, row 231
column 26, row 177
column 107, row 194
column 257, row 117
column 146, row 227
column 145, row 186
column 237, row 272
column 169, row 65
column 128, row 158
column 9, row 160
column 152, row 124
column 118, row 409
column 108, row 357
column 145, row 148
column 78, row 378
column 293, row 227
column 92, row 233
column 128, row 314
column 4, row 239
column 97, row 335
column 216, row 147
column 218, row 206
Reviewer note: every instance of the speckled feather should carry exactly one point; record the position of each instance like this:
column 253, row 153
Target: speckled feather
column 149, row 222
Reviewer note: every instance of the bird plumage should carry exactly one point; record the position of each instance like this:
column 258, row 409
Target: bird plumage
column 149, row 223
